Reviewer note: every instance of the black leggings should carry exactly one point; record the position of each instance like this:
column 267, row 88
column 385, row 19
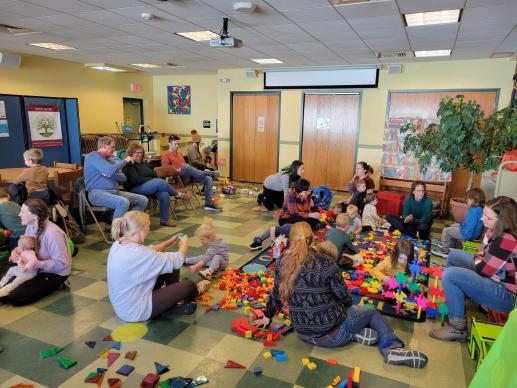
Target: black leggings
column 313, row 222
column 32, row 290
column 272, row 198
column 424, row 230
column 165, row 298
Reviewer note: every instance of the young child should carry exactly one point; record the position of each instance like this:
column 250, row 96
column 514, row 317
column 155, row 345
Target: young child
column 401, row 255
column 272, row 233
column 216, row 257
column 36, row 176
column 353, row 212
column 26, row 244
column 370, row 219
column 453, row 236
column 340, row 235
column 357, row 198
column 10, row 218
column 327, row 248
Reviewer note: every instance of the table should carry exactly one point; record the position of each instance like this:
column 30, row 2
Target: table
column 8, row 175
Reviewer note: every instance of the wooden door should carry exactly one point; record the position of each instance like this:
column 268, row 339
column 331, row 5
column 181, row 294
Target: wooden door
column 329, row 139
column 254, row 136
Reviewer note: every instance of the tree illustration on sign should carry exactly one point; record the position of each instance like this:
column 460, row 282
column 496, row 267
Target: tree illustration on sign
column 45, row 125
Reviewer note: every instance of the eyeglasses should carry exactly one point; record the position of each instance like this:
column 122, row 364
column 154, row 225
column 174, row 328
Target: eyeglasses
column 138, row 152
column 419, row 191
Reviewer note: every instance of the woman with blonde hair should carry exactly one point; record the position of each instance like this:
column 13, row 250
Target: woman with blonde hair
column 321, row 310
column 137, row 273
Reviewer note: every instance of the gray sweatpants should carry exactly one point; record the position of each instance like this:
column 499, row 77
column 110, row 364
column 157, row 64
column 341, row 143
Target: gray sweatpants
column 451, row 236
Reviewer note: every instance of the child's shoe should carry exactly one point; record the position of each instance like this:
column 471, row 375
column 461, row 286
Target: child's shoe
column 400, row 356
column 206, row 274
column 256, row 244
column 203, row 286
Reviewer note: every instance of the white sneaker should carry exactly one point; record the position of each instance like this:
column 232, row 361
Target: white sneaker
column 206, row 274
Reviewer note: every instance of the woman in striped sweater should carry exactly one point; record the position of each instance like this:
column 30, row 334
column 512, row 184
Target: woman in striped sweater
column 489, row 277
column 277, row 185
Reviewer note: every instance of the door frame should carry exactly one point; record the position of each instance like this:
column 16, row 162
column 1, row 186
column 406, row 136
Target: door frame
column 359, row 92
column 141, row 101
column 258, row 93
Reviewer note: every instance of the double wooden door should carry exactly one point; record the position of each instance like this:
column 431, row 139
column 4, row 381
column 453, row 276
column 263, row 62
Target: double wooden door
column 254, row 136
column 330, row 127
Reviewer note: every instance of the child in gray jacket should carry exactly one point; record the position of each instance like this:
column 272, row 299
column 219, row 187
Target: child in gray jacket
column 216, row 257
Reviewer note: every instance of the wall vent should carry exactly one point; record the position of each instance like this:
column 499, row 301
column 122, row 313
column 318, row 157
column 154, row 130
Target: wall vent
column 395, row 54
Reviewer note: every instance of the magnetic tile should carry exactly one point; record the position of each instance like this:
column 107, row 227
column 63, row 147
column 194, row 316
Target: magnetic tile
column 217, row 374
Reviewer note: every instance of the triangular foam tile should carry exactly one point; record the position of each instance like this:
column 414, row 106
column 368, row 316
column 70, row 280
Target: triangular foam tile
column 114, row 382
column 131, row 354
column 233, row 364
column 112, row 356
column 108, row 338
column 91, row 344
column 116, row 345
column 161, row 369
column 65, row 362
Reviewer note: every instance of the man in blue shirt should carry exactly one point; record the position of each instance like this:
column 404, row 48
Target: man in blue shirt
column 102, row 177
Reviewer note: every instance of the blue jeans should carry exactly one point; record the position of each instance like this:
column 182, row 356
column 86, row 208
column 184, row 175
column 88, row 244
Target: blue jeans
column 159, row 189
column 120, row 201
column 357, row 318
column 460, row 279
column 285, row 229
column 189, row 174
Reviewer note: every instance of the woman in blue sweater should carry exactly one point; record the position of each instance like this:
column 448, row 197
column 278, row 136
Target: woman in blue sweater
column 320, row 307
column 453, row 236
column 417, row 213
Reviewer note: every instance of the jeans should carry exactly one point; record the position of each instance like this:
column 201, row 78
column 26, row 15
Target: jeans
column 285, row 229
column 120, row 201
column 357, row 318
column 460, row 279
column 410, row 229
column 451, row 236
column 189, row 174
column 159, row 189
column 272, row 198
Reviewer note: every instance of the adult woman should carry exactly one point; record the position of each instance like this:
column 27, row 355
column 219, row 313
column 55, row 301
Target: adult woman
column 417, row 213
column 297, row 205
column 320, row 307
column 488, row 278
column 141, row 179
column 51, row 257
column 277, row 185
column 362, row 172
column 136, row 273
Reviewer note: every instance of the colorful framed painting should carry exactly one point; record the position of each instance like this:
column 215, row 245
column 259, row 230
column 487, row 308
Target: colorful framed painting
column 179, row 100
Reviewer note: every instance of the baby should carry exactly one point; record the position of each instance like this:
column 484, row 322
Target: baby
column 26, row 244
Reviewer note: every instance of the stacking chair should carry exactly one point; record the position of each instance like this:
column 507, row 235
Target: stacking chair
column 63, row 186
column 482, row 336
column 170, row 174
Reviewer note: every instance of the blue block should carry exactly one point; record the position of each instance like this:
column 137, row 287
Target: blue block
column 215, row 308
column 278, row 327
column 274, row 352
column 288, row 331
column 281, row 357
column 257, row 370
column 125, row 370
column 116, row 345
column 343, row 384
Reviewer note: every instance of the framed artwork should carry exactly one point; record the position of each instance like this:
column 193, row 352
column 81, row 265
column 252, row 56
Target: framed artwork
column 179, row 100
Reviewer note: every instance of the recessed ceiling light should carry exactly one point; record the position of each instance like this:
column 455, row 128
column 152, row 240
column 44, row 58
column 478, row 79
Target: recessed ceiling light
column 52, row 46
column 266, row 61
column 106, row 67
column 432, row 53
column 502, row 54
column 429, row 18
column 145, row 65
column 198, row 36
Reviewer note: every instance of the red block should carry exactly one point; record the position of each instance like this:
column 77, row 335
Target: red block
column 390, row 202
column 269, row 343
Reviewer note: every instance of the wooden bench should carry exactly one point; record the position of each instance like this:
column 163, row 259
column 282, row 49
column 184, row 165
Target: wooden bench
column 437, row 191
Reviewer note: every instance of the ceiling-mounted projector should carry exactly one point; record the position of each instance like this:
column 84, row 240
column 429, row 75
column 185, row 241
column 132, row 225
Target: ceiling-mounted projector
column 224, row 40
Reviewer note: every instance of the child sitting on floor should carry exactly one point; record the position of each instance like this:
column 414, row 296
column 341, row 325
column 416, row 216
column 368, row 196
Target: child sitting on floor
column 26, row 244
column 327, row 248
column 216, row 257
column 35, row 177
column 453, row 236
column 340, row 235
column 370, row 219
column 401, row 255
column 353, row 212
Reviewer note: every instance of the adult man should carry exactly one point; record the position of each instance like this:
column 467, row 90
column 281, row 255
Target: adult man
column 102, row 176
column 188, row 173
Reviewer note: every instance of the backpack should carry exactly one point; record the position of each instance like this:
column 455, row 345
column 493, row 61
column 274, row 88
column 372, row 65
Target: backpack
column 322, row 197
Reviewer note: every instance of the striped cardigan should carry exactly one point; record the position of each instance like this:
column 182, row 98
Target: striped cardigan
column 499, row 261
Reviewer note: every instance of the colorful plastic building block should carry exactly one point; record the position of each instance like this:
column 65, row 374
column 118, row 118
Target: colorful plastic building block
column 112, row 357
column 281, row 357
column 161, row 369
column 312, row 365
column 65, row 362
column 306, row 361
column 267, row 355
column 125, row 370
column 150, row 381
column 257, row 371
column 50, row 352
column 90, row 344
column 233, row 364
column 131, row 354
column 331, row 361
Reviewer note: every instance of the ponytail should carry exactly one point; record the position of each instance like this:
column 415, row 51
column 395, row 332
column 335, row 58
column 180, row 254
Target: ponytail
column 129, row 224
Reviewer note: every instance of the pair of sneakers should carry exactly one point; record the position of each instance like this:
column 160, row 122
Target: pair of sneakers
column 256, row 244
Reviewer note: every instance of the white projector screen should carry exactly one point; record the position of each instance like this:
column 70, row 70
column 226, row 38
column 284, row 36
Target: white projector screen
column 321, row 78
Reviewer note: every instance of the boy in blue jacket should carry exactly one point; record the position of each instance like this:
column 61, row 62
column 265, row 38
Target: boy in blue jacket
column 471, row 229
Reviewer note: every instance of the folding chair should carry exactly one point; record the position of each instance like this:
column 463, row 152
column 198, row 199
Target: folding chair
column 84, row 204
column 63, row 188
column 169, row 173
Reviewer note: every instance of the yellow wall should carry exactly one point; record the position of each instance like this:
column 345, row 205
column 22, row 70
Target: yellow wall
column 100, row 93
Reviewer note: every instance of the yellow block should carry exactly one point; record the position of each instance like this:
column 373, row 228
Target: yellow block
column 247, row 309
column 129, row 332
column 267, row 355
column 288, row 323
column 306, row 361
column 245, row 302
column 312, row 366
column 357, row 373
column 281, row 315
column 248, row 334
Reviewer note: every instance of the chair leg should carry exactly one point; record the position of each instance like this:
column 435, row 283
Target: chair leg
column 97, row 222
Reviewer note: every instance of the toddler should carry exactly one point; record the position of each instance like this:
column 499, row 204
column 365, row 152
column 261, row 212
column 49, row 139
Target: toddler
column 35, row 177
column 357, row 198
column 340, row 235
column 401, row 255
column 272, row 233
column 353, row 212
column 327, row 248
column 216, row 257
column 471, row 229
column 26, row 244
column 370, row 219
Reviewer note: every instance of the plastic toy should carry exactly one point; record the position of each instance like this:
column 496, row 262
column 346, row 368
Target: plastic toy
column 131, row 354
column 233, row 364
column 161, row 369
column 125, row 370
column 114, row 382
column 90, row 344
column 65, row 362
column 150, row 381
column 112, row 357
column 50, row 352
column 278, row 247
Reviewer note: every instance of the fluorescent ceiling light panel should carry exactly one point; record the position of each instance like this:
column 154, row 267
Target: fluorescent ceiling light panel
column 105, row 67
column 198, row 36
column 432, row 53
column 429, row 18
column 146, row 65
column 266, row 61
column 52, row 46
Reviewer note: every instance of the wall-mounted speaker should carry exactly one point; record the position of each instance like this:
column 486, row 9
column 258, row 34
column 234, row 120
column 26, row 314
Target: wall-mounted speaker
column 395, row 69
column 7, row 60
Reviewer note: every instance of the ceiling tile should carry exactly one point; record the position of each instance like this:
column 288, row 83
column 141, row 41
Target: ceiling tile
column 487, row 3
column 297, row 4
column 477, row 43
column 188, row 9
column 393, row 33
column 322, row 14
column 389, row 21
column 368, row 10
column 104, row 17
column 445, row 31
column 110, row 4
column 483, row 35
column 26, row 9
column 68, row 6
column 413, row 6
column 499, row 13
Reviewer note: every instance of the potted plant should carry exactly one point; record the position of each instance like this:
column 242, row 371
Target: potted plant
column 463, row 137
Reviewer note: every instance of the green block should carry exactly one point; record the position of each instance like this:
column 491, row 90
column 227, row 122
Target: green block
column 50, row 352
column 65, row 362
column 165, row 383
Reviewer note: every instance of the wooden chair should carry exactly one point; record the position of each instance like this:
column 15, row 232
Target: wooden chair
column 170, row 174
column 68, row 166
column 64, row 182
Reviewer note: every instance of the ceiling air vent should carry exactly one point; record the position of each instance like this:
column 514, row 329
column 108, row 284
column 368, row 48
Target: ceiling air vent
column 395, row 55
column 15, row 30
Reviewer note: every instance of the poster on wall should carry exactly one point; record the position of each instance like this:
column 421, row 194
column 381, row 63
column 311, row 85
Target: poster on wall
column 4, row 128
column 178, row 100
column 45, row 125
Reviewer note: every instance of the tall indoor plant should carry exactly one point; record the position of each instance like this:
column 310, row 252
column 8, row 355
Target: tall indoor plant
column 463, row 137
